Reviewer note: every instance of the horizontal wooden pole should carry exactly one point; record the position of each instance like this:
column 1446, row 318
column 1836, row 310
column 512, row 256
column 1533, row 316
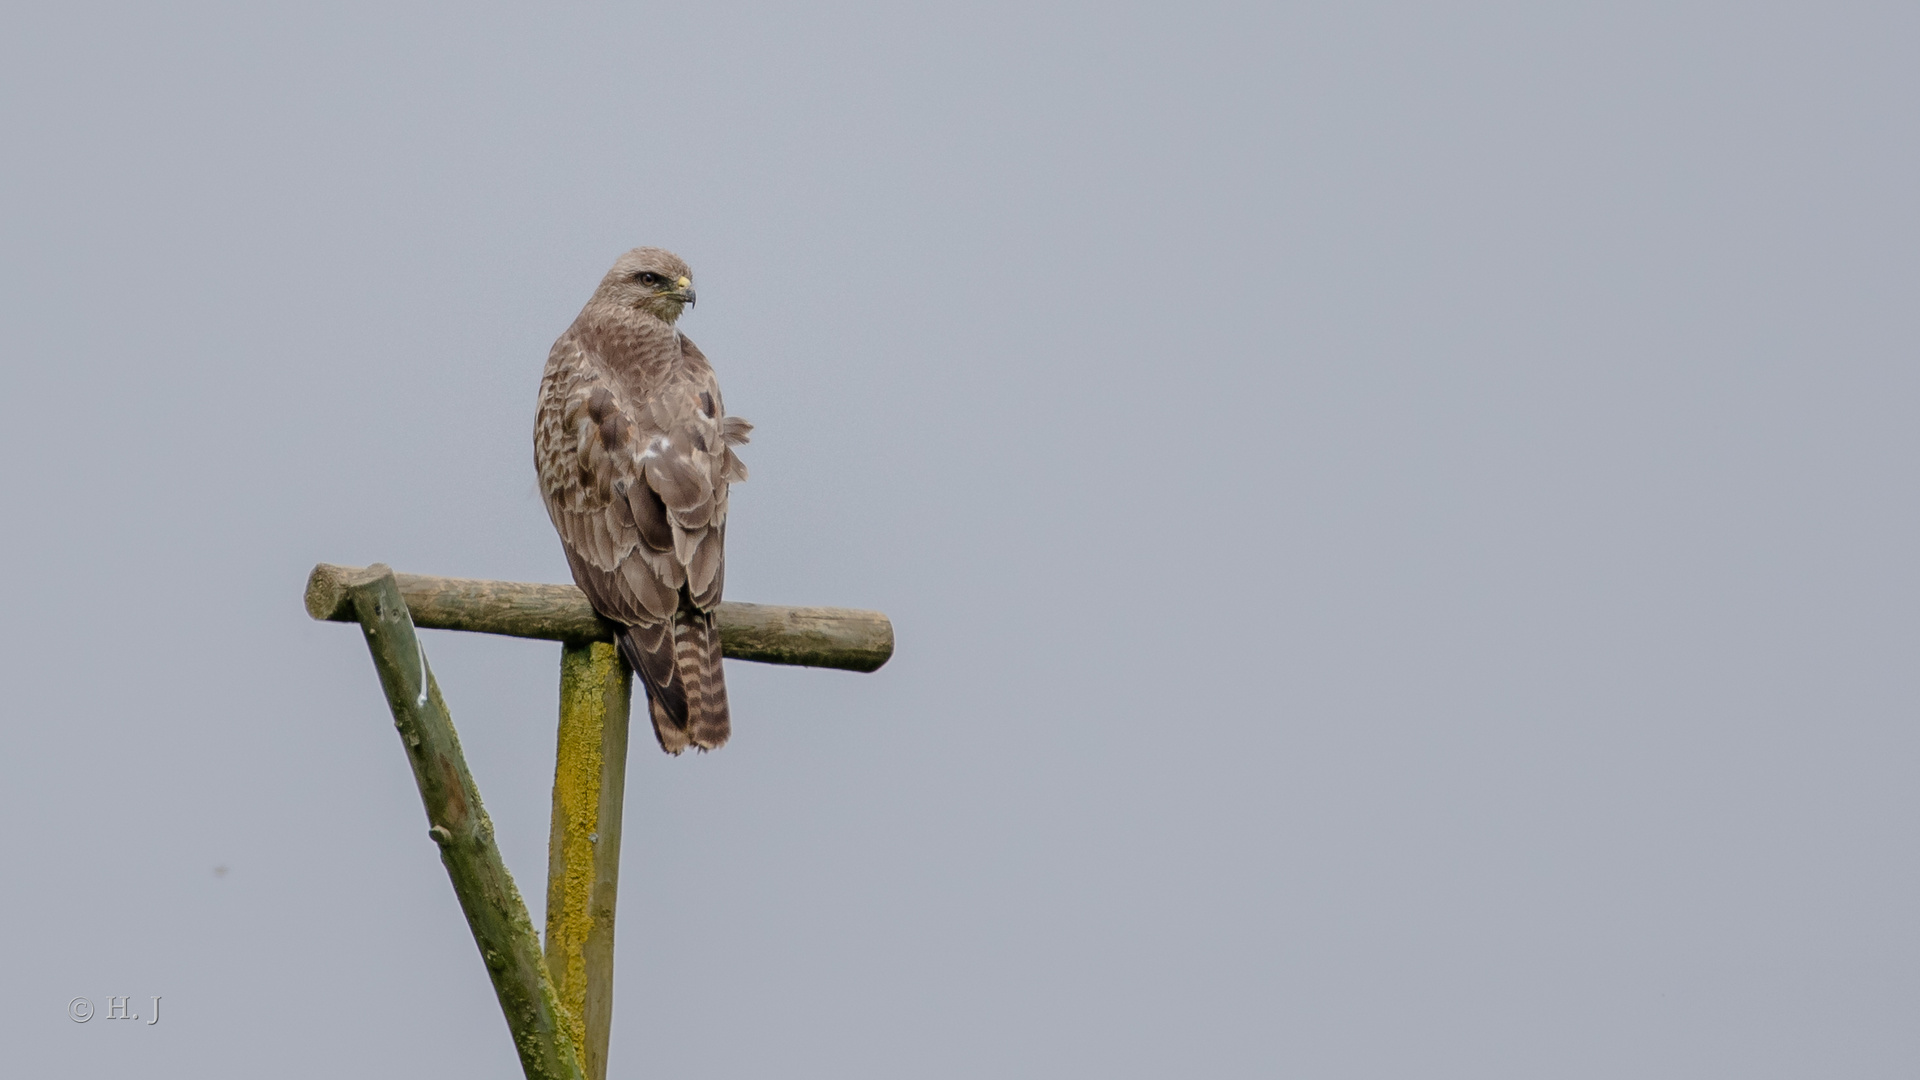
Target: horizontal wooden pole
column 843, row 638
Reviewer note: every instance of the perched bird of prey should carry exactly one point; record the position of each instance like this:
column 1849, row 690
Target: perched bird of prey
column 635, row 453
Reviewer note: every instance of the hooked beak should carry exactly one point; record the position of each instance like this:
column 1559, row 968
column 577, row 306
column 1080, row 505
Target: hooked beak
column 685, row 291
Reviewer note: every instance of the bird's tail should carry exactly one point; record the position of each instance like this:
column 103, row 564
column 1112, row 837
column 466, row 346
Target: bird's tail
column 679, row 664
column 696, row 659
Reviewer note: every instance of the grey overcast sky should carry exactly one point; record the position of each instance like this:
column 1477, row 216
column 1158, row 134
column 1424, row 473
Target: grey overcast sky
column 1399, row 520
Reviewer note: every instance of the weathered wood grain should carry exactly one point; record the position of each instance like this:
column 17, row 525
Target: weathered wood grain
column 843, row 638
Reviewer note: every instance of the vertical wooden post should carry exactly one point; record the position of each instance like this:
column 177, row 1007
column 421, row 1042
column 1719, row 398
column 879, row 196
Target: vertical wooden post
column 583, row 848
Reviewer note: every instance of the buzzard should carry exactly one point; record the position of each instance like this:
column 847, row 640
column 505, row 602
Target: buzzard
column 635, row 452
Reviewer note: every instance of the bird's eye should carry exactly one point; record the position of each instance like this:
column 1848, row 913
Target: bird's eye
column 648, row 277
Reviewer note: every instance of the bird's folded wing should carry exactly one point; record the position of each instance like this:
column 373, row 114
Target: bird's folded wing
column 636, row 488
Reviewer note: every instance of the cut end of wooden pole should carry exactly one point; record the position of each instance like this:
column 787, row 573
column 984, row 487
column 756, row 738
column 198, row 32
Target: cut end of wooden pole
column 328, row 598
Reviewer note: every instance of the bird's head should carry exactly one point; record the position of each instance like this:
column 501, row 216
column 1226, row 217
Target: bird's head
column 652, row 280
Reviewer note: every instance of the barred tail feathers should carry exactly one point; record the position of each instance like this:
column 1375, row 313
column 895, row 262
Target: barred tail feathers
column 678, row 662
column 696, row 656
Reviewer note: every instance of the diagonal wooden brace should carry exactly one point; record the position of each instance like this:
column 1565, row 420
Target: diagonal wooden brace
column 458, row 823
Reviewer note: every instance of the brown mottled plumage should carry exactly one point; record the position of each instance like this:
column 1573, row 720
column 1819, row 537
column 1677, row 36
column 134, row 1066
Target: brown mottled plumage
column 635, row 452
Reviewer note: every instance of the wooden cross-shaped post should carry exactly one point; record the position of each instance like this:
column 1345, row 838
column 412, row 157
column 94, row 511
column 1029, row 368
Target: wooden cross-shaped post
column 558, row 1003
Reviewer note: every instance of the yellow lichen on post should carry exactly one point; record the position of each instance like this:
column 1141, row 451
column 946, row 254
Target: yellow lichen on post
column 576, row 817
column 583, row 848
